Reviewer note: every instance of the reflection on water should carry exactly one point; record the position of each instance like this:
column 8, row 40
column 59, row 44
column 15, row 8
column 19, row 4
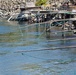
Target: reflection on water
column 17, row 55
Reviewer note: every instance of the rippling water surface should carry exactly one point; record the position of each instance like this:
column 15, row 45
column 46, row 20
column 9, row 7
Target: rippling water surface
column 29, row 50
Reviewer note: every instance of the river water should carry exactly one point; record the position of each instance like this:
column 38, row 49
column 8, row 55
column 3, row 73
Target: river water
column 29, row 50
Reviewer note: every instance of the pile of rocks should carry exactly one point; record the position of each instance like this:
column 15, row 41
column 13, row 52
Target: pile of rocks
column 10, row 5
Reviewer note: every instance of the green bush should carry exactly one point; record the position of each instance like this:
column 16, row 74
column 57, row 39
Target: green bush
column 40, row 2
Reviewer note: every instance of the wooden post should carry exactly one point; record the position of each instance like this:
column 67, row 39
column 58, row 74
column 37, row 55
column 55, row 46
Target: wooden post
column 63, row 33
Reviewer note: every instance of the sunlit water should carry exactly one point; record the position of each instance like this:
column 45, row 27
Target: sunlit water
column 27, row 50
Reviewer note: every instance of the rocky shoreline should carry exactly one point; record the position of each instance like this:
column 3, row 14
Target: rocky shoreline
column 10, row 5
column 9, row 8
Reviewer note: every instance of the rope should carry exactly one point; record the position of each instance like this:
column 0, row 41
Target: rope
column 44, row 49
column 42, row 32
column 63, row 39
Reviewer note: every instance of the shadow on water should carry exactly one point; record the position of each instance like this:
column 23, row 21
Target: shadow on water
column 21, row 37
